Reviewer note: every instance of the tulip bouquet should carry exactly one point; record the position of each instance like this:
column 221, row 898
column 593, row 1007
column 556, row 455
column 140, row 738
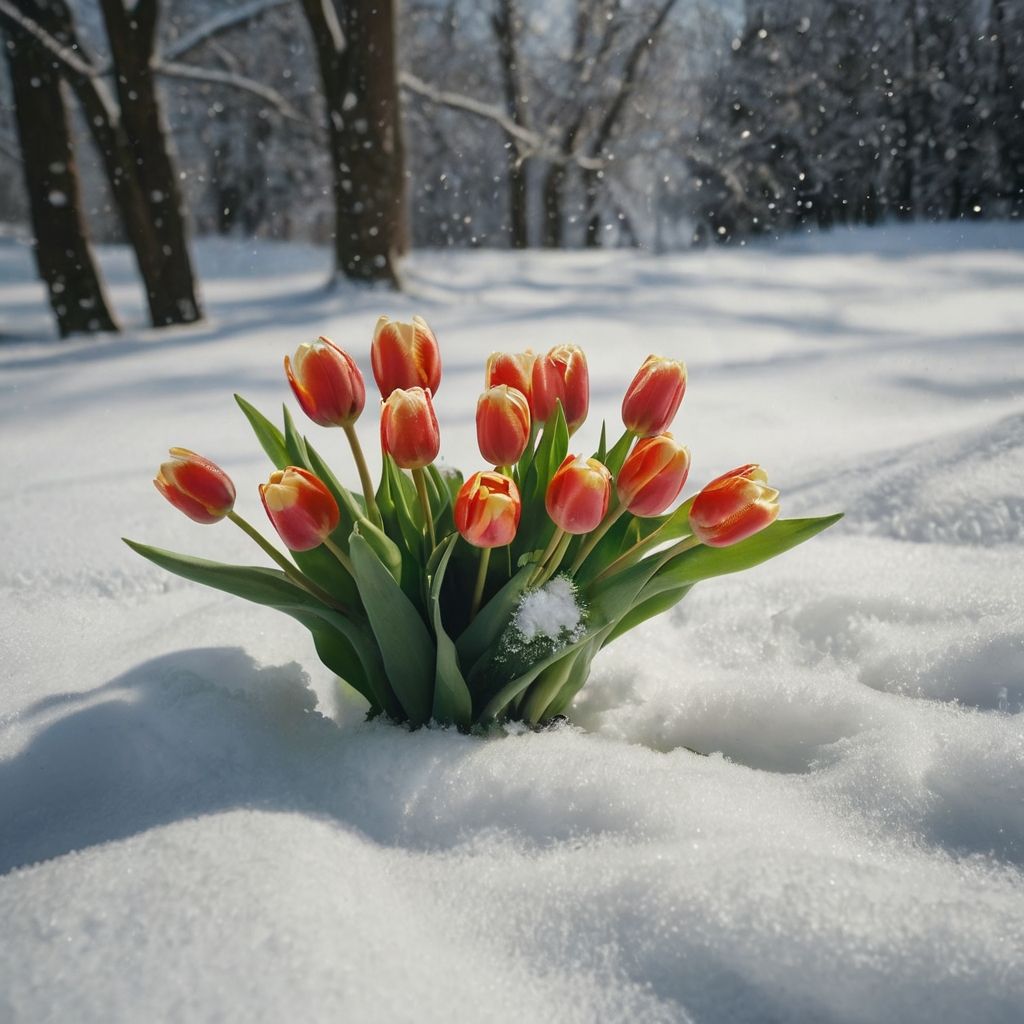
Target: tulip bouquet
column 479, row 600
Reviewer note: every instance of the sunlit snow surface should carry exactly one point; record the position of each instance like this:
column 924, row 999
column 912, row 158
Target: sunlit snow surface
column 194, row 828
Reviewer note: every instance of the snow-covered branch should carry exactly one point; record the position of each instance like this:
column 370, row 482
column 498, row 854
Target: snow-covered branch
column 170, row 69
column 224, row 22
column 11, row 17
column 530, row 142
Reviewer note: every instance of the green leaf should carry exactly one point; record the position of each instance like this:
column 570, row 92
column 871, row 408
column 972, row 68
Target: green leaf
column 295, row 443
column 349, row 504
column 272, row 588
column 577, row 678
column 617, row 456
column 602, row 449
column 404, row 641
column 452, row 702
column 270, row 438
column 513, row 688
column 647, row 609
column 407, row 509
column 486, row 629
column 702, row 562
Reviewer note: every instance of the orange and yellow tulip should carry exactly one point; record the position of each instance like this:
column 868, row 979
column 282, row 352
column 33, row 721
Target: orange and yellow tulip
column 327, row 383
column 196, row 486
column 487, row 510
column 653, row 475
column 734, row 506
column 577, row 497
column 405, row 355
column 502, row 425
column 301, row 508
column 653, row 398
column 408, row 428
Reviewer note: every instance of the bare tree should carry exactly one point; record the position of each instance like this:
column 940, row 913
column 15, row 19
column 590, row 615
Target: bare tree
column 506, row 23
column 132, row 35
column 60, row 240
column 355, row 47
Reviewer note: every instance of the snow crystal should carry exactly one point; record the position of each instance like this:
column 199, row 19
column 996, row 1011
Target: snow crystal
column 551, row 611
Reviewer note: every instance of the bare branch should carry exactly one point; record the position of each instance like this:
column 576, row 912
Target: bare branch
column 63, row 55
column 234, row 81
column 222, row 23
column 530, row 142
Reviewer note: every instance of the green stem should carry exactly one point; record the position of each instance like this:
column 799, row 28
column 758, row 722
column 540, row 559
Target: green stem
column 627, row 558
column 421, row 489
column 340, row 554
column 364, row 473
column 556, row 539
column 298, row 578
column 592, row 541
column 556, row 559
column 481, row 580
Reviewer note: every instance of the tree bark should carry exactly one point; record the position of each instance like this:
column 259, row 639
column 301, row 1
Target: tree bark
column 132, row 37
column 60, row 243
column 505, row 24
column 356, row 53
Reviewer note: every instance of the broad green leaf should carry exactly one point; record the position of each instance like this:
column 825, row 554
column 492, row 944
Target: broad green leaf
column 617, row 456
column 270, row 438
column 546, row 686
column 647, row 609
column 452, row 702
column 486, row 629
column 350, row 505
column 407, row 509
column 295, row 443
column 386, row 550
column 702, row 562
column 512, row 689
column 577, row 678
column 404, row 641
column 272, row 588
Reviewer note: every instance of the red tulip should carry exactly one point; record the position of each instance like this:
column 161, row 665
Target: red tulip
column 561, row 374
column 577, row 497
column 652, row 400
column 653, row 475
column 502, row 425
column 327, row 383
column 196, row 486
column 405, row 356
column 408, row 428
column 733, row 507
column 487, row 510
column 301, row 508
column 512, row 368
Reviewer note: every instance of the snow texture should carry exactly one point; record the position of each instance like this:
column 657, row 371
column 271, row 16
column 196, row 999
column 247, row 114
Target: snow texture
column 195, row 826
column 551, row 612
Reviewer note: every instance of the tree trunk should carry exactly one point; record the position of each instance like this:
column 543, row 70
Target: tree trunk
column 61, row 245
column 554, row 194
column 355, row 46
column 505, row 23
column 132, row 36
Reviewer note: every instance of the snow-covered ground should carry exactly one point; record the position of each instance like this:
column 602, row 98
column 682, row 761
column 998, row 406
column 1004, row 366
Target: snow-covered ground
column 193, row 827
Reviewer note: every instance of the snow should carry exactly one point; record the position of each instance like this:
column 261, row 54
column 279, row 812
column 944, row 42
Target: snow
column 550, row 611
column 195, row 826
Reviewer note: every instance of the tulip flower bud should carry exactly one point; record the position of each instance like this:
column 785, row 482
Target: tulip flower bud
column 561, row 374
column 405, row 356
column 733, row 507
column 652, row 400
column 301, row 508
column 487, row 510
column 502, row 425
column 196, row 486
column 327, row 383
column 653, row 475
column 512, row 368
column 577, row 497
column 408, row 428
